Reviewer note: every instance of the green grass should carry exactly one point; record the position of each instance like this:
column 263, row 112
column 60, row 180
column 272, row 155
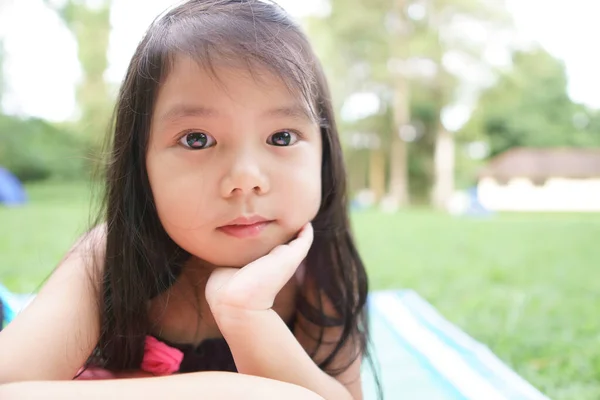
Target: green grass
column 526, row 285
column 35, row 237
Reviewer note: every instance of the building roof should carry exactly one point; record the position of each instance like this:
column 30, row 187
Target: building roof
column 541, row 164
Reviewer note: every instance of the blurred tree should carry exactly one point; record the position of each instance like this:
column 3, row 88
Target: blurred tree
column 530, row 106
column 386, row 47
column 354, row 43
column 593, row 126
column 34, row 149
column 89, row 22
column 443, row 29
column 358, row 41
column 399, row 42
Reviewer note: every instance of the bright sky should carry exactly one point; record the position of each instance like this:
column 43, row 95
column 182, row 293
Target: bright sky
column 41, row 67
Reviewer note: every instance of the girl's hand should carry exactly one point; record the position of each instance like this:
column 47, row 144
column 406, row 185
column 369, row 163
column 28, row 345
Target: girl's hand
column 254, row 286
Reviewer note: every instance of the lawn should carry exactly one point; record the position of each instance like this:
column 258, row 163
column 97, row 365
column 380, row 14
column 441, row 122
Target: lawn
column 525, row 285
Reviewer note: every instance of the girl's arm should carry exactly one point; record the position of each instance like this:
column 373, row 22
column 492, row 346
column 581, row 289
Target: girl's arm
column 349, row 357
column 52, row 338
column 262, row 345
column 199, row 385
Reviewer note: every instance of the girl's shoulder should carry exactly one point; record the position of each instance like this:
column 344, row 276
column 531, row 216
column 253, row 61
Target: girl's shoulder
column 66, row 311
column 90, row 247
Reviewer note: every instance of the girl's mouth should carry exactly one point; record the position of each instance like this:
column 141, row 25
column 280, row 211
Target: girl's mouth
column 245, row 227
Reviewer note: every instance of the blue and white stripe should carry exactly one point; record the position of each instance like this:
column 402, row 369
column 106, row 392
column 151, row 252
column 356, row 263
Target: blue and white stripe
column 472, row 370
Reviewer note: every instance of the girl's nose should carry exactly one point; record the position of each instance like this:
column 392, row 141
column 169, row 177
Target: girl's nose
column 244, row 177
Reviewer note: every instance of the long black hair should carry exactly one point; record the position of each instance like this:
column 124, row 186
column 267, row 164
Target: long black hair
column 141, row 260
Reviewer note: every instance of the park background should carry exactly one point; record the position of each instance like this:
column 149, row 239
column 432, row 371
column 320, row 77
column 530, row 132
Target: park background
column 431, row 96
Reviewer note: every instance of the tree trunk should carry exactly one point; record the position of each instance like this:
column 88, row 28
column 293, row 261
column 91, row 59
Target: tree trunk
column 90, row 27
column 377, row 173
column 92, row 34
column 398, row 185
column 398, row 188
column 444, row 168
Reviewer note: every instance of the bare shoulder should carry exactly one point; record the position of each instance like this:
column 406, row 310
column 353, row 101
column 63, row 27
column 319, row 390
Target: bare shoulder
column 55, row 334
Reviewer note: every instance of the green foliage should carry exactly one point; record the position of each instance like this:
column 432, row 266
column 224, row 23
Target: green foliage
column 36, row 150
column 353, row 42
column 529, row 106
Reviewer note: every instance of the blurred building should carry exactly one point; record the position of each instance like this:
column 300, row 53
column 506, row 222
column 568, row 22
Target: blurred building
column 524, row 179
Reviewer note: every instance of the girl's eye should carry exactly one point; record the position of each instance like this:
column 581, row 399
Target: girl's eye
column 197, row 141
column 283, row 138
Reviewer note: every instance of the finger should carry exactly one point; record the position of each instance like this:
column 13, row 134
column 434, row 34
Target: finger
column 258, row 283
column 281, row 263
column 218, row 279
column 297, row 247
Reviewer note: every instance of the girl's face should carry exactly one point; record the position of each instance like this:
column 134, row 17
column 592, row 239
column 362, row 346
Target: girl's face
column 234, row 163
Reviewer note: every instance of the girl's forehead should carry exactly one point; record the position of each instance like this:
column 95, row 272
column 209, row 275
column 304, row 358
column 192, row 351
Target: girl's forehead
column 226, row 75
column 189, row 87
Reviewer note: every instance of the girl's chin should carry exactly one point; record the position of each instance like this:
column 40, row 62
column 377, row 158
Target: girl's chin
column 238, row 255
column 229, row 260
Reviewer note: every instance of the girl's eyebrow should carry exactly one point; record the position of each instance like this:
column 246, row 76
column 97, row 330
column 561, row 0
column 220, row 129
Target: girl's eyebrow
column 186, row 110
column 295, row 111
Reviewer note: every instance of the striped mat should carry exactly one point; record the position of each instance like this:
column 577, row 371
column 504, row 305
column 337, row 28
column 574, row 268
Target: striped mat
column 422, row 356
column 419, row 354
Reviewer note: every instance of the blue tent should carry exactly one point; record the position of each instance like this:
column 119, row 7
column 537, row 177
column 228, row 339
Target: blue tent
column 11, row 190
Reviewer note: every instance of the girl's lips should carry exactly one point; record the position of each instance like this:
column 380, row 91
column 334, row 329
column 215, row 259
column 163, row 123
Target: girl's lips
column 245, row 230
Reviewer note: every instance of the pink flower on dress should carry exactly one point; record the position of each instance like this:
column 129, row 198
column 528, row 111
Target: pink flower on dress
column 160, row 358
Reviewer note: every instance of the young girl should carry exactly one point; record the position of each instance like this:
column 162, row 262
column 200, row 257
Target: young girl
column 225, row 244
